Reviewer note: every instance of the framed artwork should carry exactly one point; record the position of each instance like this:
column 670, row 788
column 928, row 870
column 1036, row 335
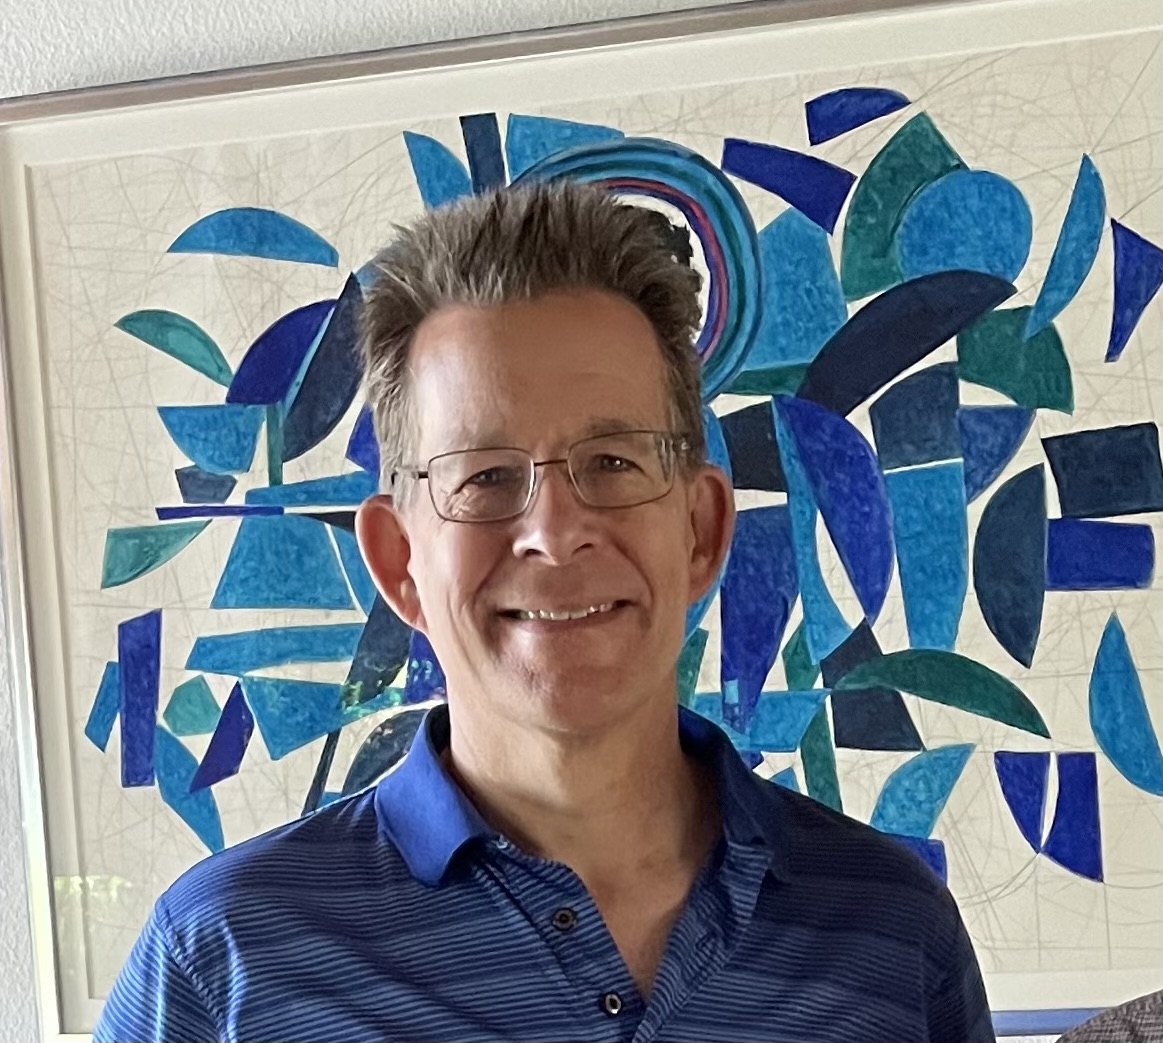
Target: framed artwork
column 931, row 352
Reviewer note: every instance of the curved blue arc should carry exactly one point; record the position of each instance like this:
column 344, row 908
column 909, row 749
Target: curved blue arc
column 914, row 795
column 728, row 230
column 247, row 231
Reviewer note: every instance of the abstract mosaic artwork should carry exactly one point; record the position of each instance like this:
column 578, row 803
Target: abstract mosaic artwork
column 931, row 369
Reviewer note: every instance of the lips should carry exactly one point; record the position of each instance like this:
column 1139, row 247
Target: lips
column 563, row 613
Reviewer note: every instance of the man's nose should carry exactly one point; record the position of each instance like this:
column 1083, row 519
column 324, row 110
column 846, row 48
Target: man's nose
column 557, row 524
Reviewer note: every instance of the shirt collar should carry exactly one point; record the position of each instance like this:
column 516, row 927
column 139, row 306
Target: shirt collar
column 429, row 819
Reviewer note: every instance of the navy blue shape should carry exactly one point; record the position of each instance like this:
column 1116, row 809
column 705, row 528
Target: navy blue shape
column 384, row 746
column 482, row 143
column 233, row 510
column 331, row 380
column 815, row 188
column 1023, row 779
column 758, row 591
column 1009, row 563
column 837, row 112
column 198, row 486
column 272, row 362
column 380, row 655
column 425, row 677
column 1075, row 838
column 139, row 664
column 339, row 519
column 870, row 718
column 915, row 420
column 931, row 852
column 1108, row 471
column 231, row 737
column 362, row 448
column 752, row 448
column 283, row 562
column 894, row 331
column 1138, row 276
column 990, row 435
column 1096, row 555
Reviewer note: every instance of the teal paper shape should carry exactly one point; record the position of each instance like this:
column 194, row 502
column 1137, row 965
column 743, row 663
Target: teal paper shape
column 180, row 338
column 192, row 709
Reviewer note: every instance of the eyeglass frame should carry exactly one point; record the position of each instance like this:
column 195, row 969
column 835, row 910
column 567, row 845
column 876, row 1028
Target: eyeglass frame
column 676, row 442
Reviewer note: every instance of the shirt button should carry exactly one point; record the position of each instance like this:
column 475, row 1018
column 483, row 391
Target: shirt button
column 564, row 920
column 502, row 844
column 612, row 1004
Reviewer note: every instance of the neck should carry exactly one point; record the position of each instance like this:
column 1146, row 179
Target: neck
column 613, row 805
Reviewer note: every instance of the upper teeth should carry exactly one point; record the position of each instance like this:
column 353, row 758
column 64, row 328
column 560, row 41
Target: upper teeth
column 577, row 613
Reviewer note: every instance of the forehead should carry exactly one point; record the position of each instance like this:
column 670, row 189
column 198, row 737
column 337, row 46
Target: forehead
column 535, row 373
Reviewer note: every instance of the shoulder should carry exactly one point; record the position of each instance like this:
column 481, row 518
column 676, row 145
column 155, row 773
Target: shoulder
column 328, row 853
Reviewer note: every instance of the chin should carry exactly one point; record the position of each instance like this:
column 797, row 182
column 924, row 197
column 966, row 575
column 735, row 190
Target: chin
column 577, row 701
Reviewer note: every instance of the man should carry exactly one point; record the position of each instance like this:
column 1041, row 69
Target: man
column 564, row 854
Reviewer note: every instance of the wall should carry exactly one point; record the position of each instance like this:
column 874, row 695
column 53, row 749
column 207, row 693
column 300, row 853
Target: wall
column 50, row 45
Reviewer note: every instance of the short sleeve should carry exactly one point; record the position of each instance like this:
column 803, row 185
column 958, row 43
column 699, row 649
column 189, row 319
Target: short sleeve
column 155, row 997
column 958, row 1009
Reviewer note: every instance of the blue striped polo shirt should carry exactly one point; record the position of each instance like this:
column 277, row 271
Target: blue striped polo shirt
column 399, row 914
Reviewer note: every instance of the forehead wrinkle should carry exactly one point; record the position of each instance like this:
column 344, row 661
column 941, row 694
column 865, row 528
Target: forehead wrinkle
column 495, row 438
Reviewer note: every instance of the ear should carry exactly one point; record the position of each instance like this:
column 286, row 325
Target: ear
column 387, row 552
column 712, row 520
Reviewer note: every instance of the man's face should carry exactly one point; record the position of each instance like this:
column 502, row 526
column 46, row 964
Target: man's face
column 539, row 376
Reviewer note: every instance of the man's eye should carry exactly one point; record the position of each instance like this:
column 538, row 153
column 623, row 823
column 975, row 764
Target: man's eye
column 490, row 477
column 611, row 463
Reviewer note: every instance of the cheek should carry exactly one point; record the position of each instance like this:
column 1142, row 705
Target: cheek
column 453, row 562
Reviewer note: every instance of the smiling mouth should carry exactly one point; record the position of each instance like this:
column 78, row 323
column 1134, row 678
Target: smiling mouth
column 528, row 615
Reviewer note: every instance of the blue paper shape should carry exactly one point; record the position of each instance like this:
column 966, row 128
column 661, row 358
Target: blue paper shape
column 250, row 650
column 228, row 744
column 1023, row 778
column 787, row 779
column 1108, row 471
column 824, row 626
column 180, row 338
column 292, row 713
column 717, row 455
column 1075, row 250
column 816, row 188
column 803, row 305
column 968, row 220
column 1118, row 712
column 1138, row 276
column 530, row 139
column 1075, row 838
column 273, row 362
column 380, row 655
column 1095, row 555
column 849, row 489
column 358, row 576
column 1009, row 563
column 198, row 486
column 247, row 231
column 106, row 705
column 777, row 726
column 837, row 112
column 931, row 534
column 329, row 378
column 139, row 660
column 440, row 176
column 338, row 490
column 382, row 749
column 219, row 439
column 759, row 589
column 282, row 562
column 866, row 718
column 894, row 331
column 749, row 434
column 201, row 510
column 931, row 852
column 915, row 420
column 192, row 708
column 425, row 677
column 175, row 771
column 136, row 551
column 914, row 795
column 362, row 448
column 990, row 436
column 482, row 144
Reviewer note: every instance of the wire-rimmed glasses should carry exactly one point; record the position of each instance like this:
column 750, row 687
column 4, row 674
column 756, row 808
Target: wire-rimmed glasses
column 621, row 469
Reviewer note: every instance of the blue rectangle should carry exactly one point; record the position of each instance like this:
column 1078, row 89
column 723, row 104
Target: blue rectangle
column 1049, row 1022
column 139, row 659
